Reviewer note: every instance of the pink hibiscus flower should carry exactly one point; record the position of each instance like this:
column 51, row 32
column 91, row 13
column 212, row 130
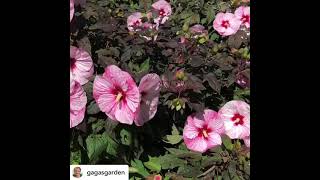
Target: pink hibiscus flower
column 81, row 65
column 149, row 90
column 243, row 14
column 117, row 94
column 202, row 131
column 247, row 141
column 163, row 10
column 78, row 101
column 236, row 117
column 226, row 24
column 71, row 9
column 134, row 21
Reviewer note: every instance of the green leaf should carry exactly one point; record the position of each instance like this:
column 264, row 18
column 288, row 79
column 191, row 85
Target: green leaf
column 170, row 161
column 174, row 131
column 186, row 14
column 175, row 138
column 225, row 175
column 178, row 107
column 93, row 108
column 189, row 171
column 92, row 119
column 227, row 142
column 138, row 166
column 210, row 14
column 75, row 157
column 232, row 167
column 99, row 143
column 202, row 40
column 203, row 20
column 214, row 36
column 126, row 137
column 185, row 154
column 246, row 168
column 216, row 149
column 98, row 126
column 144, row 67
column 232, row 170
column 209, row 161
column 195, row 19
column 153, row 164
column 185, row 26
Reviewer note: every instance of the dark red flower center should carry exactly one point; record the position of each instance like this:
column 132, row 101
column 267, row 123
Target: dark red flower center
column 72, row 63
column 245, row 18
column 237, row 119
column 225, row 24
column 162, row 12
column 204, row 132
column 119, row 94
column 143, row 93
column 137, row 23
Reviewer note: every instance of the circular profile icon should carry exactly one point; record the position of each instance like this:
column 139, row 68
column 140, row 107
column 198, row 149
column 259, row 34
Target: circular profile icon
column 77, row 172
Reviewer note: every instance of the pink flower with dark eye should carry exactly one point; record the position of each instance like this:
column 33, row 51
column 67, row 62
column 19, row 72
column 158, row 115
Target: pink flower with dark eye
column 163, row 11
column 78, row 101
column 71, row 9
column 202, row 131
column 117, row 94
column 247, row 141
column 149, row 88
column 134, row 21
column 226, row 24
column 81, row 65
column 236, row 117
column 243, row 14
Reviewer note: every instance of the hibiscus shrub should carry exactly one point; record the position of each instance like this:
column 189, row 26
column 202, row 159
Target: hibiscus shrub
column 162, row 86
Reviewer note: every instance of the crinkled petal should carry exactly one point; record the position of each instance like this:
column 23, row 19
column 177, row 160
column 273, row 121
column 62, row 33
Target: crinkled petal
column 71, row 9
column 190, row 131
column 150, row 89
column 214, row 139
column 123, row 114
column 197, row 144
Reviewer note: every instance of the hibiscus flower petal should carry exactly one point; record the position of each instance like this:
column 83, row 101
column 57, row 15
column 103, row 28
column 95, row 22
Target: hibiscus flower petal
column 197, row 144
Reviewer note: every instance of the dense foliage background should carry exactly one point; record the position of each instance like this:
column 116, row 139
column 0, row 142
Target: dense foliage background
column 214, row 70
